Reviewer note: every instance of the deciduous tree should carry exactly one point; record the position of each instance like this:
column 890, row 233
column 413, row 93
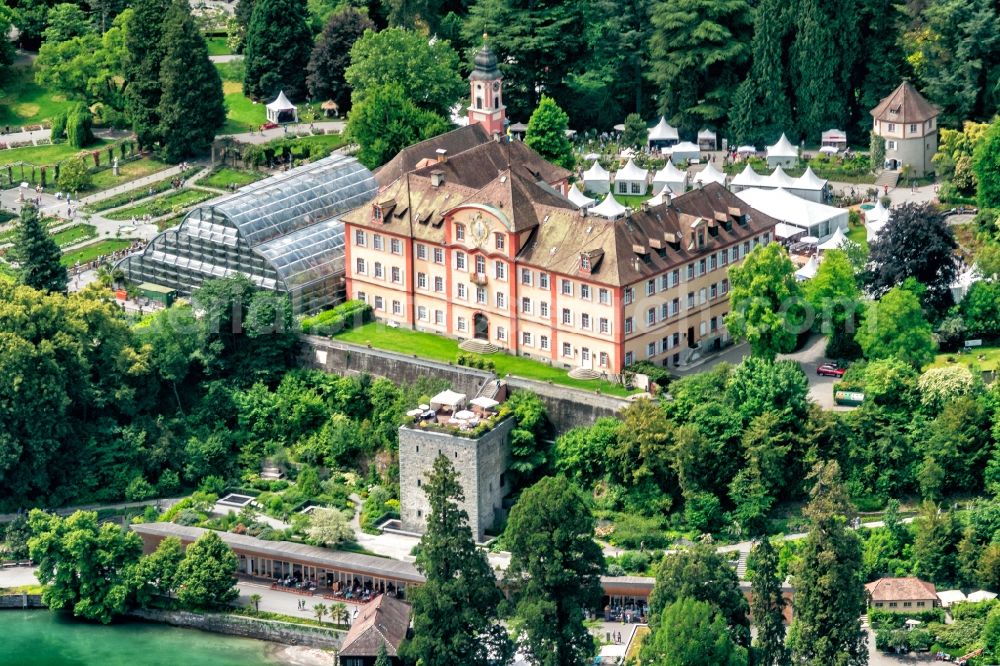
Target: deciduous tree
column 692, row 632
column 384, row 122
column 205, row 575
column 986, row 164
column 156, row 573
column 329, row 527
column 547, row 133
column 332, row 54
column 896, row 326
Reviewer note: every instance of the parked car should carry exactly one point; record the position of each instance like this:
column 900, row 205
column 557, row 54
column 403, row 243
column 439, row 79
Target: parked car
column 830, row 370
column 268, row 125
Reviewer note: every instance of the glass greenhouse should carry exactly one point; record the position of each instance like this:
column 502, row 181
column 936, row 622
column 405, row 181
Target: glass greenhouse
column 280, row 232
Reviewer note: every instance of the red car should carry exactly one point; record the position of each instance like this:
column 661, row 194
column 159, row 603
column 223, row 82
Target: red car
column 268, row 125
column 830, row 370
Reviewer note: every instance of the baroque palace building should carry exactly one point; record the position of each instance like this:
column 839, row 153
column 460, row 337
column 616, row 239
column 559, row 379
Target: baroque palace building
column 471, row 236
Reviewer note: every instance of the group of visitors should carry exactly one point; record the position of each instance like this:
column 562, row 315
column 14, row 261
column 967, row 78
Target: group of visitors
column 111, row 258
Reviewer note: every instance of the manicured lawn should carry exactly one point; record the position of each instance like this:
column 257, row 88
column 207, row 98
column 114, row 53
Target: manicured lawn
column 165, row 224
column 630, row 200
column 93, row 251
column 223, row 177
column 859, row 235
column 24, row 102
column 6, row 273
column 128, row 171
column 44, row 155
column 217, row 46
column 173, row 202
column 241, row 113
column 990, row 361
column 74, row 234
column 439, row 348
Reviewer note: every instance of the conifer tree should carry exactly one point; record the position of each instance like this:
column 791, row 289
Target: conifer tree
column 38, row 255
column 277, row 50
column 192, row 107
column 767, row 606
column 829, row 595
column 455, row 611
column 144, row 50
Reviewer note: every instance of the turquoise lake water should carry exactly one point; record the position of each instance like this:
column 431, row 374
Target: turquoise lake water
column 42, row 638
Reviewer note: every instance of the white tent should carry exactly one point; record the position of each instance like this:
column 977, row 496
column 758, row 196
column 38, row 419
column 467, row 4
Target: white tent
column 663, row 134
column 809, row 186
column 746, row 150
column 281, row 110
column 597, row 179
column 828, row 150
column 834, row 138
column 950, row 597
column 779, row 178
column 784, row 231
column 710, row 175
column 685, row 151
column 783, row 153
column 808, row 271
column 708, row 140
column 834, row 242
column 748, row 178
column 609, row 208
column 670, row 177
column 484, row 402
column 448, row 398
column 631, row 179
column 818, row 220
column 663, row 197
column 981, row 595
column 873, row 230
column 578, row 198
column 875, row 220
column 963, row 281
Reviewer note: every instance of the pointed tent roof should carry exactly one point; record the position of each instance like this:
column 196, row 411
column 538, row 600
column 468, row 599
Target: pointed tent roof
column 280, row 103
column 710, row 175
column 783, row 148
column 631, row 172
column 873, row 229
column 808, row 181
column 877, row 215
column 659, row 199
column 609, row 208
column 981, row 595
column 685, row 147
column 834, row 135
column 749, row 178
column 663, row 131
column 808, row 271
column 905, row 105
column 783, row 205
column 779, row 178
column 706, row 134
column 669, row 174
column 578, row 198
column 596, row 172
column 835, row 241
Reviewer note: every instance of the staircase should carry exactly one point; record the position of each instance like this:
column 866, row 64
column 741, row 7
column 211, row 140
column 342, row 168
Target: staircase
column 887, row 177
column 584, row 373
column 493, row 388
column 741, row 565
column 478, row 346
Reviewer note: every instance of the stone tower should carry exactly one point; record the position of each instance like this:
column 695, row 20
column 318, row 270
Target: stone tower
column 486, row 93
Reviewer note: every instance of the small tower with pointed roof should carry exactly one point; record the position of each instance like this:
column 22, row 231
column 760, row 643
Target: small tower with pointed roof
column 908, row 123
column 486, row 87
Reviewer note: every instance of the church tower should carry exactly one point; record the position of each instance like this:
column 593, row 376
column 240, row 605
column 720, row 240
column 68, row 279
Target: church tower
column 486, row 87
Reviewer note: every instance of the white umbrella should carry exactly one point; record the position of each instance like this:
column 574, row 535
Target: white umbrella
column 424, row 408
column 464, row 415
column 829, row 150
column 415, row 412
column 484, row 402
column 809, row 239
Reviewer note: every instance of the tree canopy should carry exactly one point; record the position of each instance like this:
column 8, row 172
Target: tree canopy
column 277, row 49
column 692, row 632
column 896, row 326
column 332, row 55
column 547, row 133
column 206, row 573
column 384, row 122
column 38, row 255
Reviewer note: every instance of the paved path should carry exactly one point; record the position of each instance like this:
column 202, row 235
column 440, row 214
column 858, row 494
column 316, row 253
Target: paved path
column 226, row 58
column 17, row 576
column 286, row 603
column 335, row 126
column 161, row 502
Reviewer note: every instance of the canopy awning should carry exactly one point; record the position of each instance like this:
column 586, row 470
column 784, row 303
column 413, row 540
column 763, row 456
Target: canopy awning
column 609, row 208
column 484, row 402
column 448, row 398
column 685, row 147
column 782, row 230
column 834, row 136
column 746, row 150
column 578, row 198
column 981, row 595
column 518, row 127
column 663, row 131
column 706, row 134
column 829, row 150
column 949, row 597
column 783, row 148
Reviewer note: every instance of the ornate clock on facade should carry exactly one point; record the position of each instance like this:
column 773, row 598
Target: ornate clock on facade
column 480, row 232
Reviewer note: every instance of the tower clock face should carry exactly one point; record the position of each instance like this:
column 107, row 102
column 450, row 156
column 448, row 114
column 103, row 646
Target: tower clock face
column 480, row 232
column 496, row 86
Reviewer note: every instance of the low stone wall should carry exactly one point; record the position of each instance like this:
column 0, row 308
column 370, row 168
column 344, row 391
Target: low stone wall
column 247, row 627
column 21, row 601
column 567, row 407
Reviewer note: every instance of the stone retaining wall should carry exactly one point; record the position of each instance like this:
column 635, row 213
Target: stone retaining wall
column 21, row 601
column 247, row 627
column 567, row 407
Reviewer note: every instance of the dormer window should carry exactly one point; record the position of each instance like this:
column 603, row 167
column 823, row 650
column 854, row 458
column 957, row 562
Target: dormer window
column 376, row 213
column 584, row 262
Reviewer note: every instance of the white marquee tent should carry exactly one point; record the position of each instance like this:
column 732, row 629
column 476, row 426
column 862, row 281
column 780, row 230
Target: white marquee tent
column 834, row 138
column 281, row 110
column 670, row 177
column 685, row 151
column 748, row 178
column 710, row 175
column 808, row 271
column 578, row 198
column 743, row 151
column 708, row 140
column 817, row 219
column 808, row 185
column 782, row 153
column 875, row 220
column 833, row 242
column 631, row 179
column 597, row 179
column 609, row 208
column 663, row 134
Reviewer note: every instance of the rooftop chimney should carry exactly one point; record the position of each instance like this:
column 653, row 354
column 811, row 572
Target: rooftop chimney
column 442, row 155
column 437, row 178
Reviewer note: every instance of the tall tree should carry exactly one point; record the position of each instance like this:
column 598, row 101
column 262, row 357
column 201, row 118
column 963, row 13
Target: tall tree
column 835, row 300
column 763, row 301
column 66, row 21
column 915, row 243
column 636, row 132
column 37, row 254
column 762, row 109
column 538, row 44
column 156, row 573
column 934, row 545
column 278, row 45
column 546, row 133
column 896, row 326
column 767, row 606
column 144, row 51
column 332, row 54
column 83, row 564
column 700, row 52
column 425, row 73
column 986, row 165
column 692, row 632
column 554, row 572
column 455, row 611
column 829, row 595
column 384, row 122
column 192, row 107
column 206, row 573
column 701, row 573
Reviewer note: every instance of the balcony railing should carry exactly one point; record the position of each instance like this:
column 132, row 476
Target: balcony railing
column 478, row 279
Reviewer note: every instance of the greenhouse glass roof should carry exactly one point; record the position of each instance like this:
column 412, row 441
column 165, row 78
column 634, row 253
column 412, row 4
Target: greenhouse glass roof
column 306, row 255
column 297, row 198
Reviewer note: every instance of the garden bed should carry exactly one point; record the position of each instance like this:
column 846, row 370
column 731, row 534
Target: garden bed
column 133, row 195
column 74, row 234
column 93, row 251
column 169, row 203
column 224, row 177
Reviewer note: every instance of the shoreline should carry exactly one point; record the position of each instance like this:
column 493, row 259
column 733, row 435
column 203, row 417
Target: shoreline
column 298, row 655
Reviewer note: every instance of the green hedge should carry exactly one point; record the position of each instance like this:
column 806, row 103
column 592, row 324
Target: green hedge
column 341, row 318
column 476, row 361
column 880, row 619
